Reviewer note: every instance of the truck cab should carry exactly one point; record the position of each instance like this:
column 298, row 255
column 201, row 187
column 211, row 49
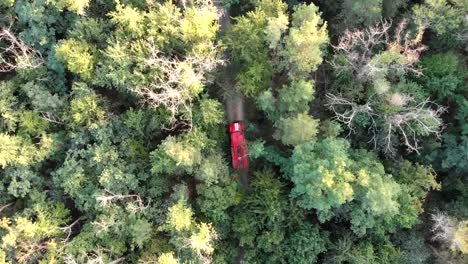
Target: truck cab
column 238, row 146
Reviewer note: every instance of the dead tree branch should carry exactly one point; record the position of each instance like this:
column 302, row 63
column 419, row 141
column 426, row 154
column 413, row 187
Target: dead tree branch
column 178, row 81
column 357, row 49
column 351, row 110
column 135, row 205
column 16, row 54
column 3, row 207
column 68, row 229
column 410, row 123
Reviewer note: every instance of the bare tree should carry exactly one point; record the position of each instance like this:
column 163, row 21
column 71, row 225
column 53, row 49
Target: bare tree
column 442, row 228
column 358, row 48
column 409, row 123
column 178, row 80
column 16, row 54
column 449, row 231
column 420, row 117
column 371, row 55
column 346, row 110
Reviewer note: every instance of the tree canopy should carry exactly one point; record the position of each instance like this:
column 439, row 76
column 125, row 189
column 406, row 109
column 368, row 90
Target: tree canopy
column 115, row 144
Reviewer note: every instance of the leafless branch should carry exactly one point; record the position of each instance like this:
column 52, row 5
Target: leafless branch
column 117, row 261
column 50, row 117
column 358, row 48
column 425, row 117
column 136, row 204
column 422, row 116
column 16, row 54
column 3, row 207
column 351, row 109
column 68, row 228
column 178, row 81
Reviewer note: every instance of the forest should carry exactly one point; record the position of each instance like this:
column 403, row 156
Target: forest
column 115, row 144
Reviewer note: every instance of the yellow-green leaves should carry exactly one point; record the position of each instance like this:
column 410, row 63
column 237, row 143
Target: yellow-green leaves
column 460, row 237
column 179, row 217
column 167, row 258
column 86, row 108
column 322, row 175
column 298, row 129
column 306, row 39
column 444, row 17
column 164, row 23
column 16, row 150
column 78, row 57
column 77, row 6
column 277, row 26
column 130, row 19
column 36, row 237
column 199, row 27
column 190, row 237
column 201, row 240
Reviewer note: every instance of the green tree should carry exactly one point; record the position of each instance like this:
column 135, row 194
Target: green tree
column 261, row 39
column 361, row 12
column 296, row 130
column 37, row 235
column 77, row 6
column 305, row 244
column 261, row 215
column 321, row 175
column 77, row 56
column 442, row 16
column 305, row 41
column 443, row 74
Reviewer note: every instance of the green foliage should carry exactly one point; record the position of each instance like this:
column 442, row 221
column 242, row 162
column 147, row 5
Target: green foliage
column 130, row 19
column 418, row 178
column 212, row 170
column 114, row 147
column 247, row 41
column 86, row 107
column 306, row 39
column 443, row 16
column 39, row 20
column 390, row 8
column 443, row 74
column 167, row 258
column 296, row 97
column 326, row 177
column 19, row 151
column 361, row 12
column 345, row 250
column 259, row 38
column 194, row 240
column 292, row 99
column 209, row 113
column 304, row 245
column 77, row 6
column 37, row 229
column 321, row 175
column 78, row 56
column 7, row 3
column 21, row 181
column 297, row 130
column 261, row 214
column 198, row 28
column 216, row 200
column 183, row 153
